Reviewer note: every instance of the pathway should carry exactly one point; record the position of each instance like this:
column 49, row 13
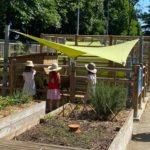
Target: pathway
column 141, row 132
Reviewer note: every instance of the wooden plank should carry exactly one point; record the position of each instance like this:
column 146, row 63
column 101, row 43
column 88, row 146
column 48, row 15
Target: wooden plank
column 135, row 89
column 20, row 145
column 72, row 81
column 18, row 122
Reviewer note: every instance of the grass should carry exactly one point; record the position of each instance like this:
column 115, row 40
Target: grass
column 89, row 43
column 100, row 62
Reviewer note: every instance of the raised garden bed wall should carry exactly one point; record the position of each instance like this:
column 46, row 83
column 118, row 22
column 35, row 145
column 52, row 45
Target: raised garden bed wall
column 19, row 122
column 123, row 137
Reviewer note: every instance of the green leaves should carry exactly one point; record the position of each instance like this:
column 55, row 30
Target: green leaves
column 17, row 98
column 59, row 16
column 38, row 14
column 108, row 98
column 146, row 21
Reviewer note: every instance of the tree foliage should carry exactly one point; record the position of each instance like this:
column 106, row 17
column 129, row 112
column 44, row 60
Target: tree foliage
column 146, row 22
column 121, row 17
column 91, row 16
column 29, row 14
column 59, row 16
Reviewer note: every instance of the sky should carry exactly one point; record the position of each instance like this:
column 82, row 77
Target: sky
column 143, row 4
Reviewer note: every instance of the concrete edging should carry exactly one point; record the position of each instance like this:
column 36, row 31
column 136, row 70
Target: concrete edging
column 123, row 137
column 19, row 122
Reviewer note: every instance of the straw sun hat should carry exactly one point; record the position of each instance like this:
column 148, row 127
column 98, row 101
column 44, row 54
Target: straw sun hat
column 91, row 67
column 29, row 63
column 54, row 67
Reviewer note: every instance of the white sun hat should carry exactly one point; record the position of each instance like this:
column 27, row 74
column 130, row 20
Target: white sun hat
column 91, row 67
column 29, row 63
column 54, row 67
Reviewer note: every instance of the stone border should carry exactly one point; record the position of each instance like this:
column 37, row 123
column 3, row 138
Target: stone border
column 19, row 122
column 123, row 137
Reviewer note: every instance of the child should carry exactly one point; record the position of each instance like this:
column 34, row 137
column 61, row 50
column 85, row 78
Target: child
column 28, row 76
column 91, row 80
column 53, row 93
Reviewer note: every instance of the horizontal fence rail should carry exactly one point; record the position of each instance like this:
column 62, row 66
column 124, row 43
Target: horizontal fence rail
column 137, row 83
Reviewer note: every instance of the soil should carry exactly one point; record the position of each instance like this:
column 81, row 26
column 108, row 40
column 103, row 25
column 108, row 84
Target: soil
column 94, row 134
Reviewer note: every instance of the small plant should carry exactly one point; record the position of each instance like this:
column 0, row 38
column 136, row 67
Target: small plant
column 108, row 99
column 17, row 98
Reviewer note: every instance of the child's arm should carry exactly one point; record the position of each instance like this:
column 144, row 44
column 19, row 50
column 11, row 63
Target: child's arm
column 34, row 72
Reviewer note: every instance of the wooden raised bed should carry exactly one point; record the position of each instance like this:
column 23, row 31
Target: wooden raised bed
column 124, row 135
column 19, row 122
column 119, row 142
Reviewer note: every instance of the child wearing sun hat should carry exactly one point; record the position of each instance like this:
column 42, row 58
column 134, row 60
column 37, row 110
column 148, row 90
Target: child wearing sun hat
column 53, row 92
column 28, row 76
column 91, row 80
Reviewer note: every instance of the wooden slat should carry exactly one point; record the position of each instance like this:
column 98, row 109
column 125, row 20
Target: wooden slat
column 7, row 88
column 20, row 145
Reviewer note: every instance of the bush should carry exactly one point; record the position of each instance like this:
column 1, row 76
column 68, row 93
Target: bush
column 108, row 98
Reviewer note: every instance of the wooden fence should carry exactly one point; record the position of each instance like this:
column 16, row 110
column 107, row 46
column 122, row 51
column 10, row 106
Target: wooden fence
column 140, row 52
column 19, row 48
column 135, row 80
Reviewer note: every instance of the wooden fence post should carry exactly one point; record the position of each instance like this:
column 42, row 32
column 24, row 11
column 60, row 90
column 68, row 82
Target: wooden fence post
column 141, row 50
column 12, row 74
column 76, row 40
column 146, row 78
column 110, row 40
column 72, row 81
column 144, row 82
column 135, row 88
column 148, row 84
column 111, row 63
column 41, row 45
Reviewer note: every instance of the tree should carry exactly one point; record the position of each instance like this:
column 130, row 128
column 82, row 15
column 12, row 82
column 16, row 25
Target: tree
column 60, row 16
column 134, row 27
column 146, row 22
column 29, row 14
column 91, row 16
column 121, row 16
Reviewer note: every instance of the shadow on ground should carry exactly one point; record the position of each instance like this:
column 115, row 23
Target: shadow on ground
column 143, row 137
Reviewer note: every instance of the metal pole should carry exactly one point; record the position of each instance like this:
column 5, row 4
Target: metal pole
column 78, row 17
column 6, row 52
column 107, row 26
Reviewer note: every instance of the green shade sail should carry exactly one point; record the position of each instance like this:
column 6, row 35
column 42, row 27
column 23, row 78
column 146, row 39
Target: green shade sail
column 116, row 53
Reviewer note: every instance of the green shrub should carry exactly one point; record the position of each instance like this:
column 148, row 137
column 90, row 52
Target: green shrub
column 108, row 98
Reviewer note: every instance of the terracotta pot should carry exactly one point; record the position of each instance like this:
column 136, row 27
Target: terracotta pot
column 74, row 128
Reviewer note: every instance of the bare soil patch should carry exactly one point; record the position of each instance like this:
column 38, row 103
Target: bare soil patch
column 95, row 134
